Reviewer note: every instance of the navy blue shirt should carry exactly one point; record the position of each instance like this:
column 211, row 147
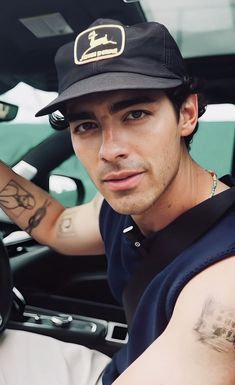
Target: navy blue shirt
column 158, row 300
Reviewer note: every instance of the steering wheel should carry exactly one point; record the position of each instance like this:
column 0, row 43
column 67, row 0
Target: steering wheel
column 6, row 286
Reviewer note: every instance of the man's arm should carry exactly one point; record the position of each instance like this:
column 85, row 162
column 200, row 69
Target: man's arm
column 198, row 346
column 70, row 231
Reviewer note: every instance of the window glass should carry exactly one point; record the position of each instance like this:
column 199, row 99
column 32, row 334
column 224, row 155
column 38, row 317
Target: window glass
column 16, row 139
column 25, row 131
column 213, row 145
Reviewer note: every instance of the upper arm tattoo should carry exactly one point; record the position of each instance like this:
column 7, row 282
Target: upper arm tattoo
column 66, row 226
column 14, row 197
column 216, row 326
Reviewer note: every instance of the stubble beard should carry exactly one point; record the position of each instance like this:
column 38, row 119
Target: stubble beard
column 132, row 203
column 144, row 202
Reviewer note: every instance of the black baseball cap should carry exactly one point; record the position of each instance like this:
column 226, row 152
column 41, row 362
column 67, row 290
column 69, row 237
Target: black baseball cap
column 109, row 56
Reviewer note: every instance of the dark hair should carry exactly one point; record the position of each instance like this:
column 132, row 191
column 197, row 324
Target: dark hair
column 178, row 96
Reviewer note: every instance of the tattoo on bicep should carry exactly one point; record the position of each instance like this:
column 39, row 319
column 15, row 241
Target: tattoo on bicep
column 35, row 219
column 16, row 198
column 216, row 326
column 66, row 226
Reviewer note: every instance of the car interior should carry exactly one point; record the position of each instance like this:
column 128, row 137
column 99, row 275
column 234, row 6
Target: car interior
column 68, row 297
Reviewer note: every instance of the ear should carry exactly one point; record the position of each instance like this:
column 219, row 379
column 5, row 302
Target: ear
column 189, row 115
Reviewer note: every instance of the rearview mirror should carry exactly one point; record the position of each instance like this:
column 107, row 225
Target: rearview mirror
column 8, row 111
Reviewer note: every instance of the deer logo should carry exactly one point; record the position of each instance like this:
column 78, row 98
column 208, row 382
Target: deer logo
column 97, row 43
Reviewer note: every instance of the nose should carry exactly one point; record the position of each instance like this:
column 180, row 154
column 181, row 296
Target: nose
column 114, row 146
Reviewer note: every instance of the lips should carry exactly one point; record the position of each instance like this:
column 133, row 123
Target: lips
column 123, row 180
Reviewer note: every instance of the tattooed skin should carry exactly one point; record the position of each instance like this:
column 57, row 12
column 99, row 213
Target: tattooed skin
column 66, row 227
column 16, row 198
column 39, row 214
column 216, row 326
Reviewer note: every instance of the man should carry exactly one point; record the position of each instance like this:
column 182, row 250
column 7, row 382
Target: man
column 132, row 111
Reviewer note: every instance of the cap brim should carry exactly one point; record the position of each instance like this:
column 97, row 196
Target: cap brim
column 109, row 81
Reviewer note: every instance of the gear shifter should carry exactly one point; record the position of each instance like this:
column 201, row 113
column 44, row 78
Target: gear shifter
column 19, row 304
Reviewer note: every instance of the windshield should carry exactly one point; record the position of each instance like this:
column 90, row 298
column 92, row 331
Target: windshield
column 200, row 27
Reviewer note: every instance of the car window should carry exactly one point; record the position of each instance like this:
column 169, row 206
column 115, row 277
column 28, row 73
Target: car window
column 23, row 133
column 16, row 139
column 200, row 27
column 213, row 145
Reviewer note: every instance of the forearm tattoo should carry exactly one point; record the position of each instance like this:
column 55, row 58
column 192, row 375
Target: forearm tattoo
column 15, row 198
column 216, row 326
column 35, row 219
column 66, row 227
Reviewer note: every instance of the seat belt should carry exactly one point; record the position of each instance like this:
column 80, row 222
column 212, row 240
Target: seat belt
column 171, row 241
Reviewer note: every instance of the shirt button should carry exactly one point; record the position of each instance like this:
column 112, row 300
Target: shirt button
column 137, row 244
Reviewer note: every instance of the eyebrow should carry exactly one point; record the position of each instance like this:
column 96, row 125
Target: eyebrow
column 114, row 108
column 118, row 106
column 74, row 116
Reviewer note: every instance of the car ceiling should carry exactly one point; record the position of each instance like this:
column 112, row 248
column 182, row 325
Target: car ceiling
column 32, row 31
column 28, row 58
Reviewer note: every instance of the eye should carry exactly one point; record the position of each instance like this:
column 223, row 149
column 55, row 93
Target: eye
column 84, row 127
column 138, row 114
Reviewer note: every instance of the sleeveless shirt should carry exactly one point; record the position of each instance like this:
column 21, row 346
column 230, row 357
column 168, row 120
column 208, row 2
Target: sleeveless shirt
column 157, row 303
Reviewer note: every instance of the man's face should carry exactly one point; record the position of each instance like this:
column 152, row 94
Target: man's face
column 130, row 144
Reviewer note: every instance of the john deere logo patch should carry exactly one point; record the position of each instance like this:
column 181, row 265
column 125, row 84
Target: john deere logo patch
column 98, row 43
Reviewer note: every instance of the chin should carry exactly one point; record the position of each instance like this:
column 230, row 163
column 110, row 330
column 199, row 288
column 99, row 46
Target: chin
column 130, row 205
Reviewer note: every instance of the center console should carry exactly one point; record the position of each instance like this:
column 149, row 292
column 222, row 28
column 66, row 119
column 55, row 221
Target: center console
column 103, row 335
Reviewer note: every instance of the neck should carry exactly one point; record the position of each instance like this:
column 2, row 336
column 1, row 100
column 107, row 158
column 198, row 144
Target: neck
column 190, row 186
